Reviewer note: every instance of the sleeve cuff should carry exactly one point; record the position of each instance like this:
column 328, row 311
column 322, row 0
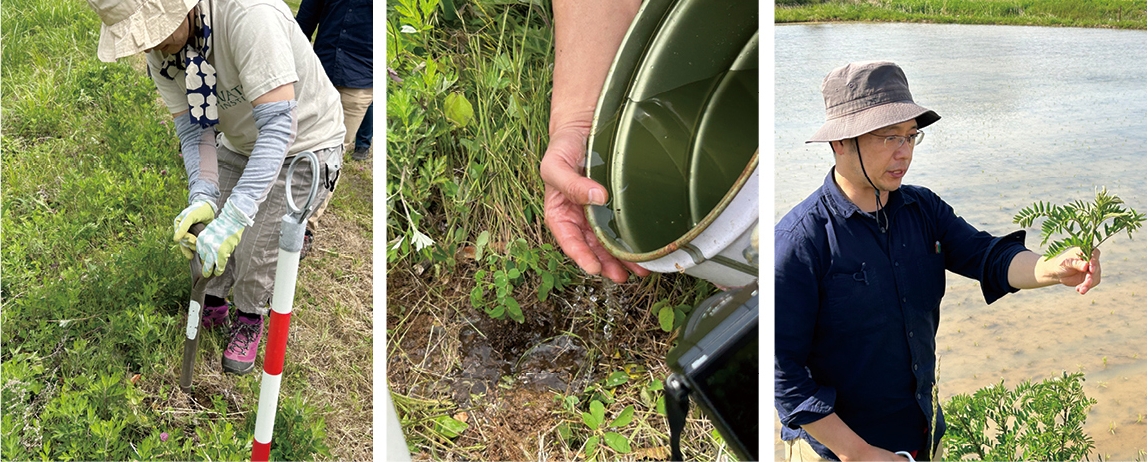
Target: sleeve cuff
column 202, row 190
column 814, row 408
column 994, row 268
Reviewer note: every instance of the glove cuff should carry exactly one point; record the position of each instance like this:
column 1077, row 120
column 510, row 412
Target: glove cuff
column 231, row 213
column 197, row 199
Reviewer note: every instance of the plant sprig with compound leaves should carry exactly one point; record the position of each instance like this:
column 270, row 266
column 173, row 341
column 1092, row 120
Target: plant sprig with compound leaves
column 1087, row 224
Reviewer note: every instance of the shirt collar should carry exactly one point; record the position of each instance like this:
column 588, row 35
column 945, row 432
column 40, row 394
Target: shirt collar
column 841, row 205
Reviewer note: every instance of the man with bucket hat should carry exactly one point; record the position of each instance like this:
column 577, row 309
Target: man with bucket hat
column 242, row 70
column 859, row 275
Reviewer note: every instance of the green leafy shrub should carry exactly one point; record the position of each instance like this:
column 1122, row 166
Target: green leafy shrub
column 418, row 126
column 1034, row 421
column 506, row 272
column 466, row 123
column 300, row 431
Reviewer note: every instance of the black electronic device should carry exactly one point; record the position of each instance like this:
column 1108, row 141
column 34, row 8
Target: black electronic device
column 715, row 363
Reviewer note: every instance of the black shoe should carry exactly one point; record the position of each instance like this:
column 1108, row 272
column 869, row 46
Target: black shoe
column 308, row 238
column 361, row 153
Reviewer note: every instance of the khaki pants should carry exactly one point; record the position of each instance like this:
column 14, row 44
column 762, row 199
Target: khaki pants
column 355, row 103
column 799, row 450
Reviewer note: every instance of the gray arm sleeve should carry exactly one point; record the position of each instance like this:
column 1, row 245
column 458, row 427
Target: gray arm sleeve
column 199, row 160
column 277, row 127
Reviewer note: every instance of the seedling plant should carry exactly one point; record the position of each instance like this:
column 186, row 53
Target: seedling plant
column 600, row 436
column 1086, row 224
column 506, row 272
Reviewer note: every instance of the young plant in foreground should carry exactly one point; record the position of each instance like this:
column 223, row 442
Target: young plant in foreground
column 1086, row 223
column 1034, row 421
column 509, row 271
column 601, row 433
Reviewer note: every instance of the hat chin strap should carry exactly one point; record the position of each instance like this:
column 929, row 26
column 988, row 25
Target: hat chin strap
column 876, row 192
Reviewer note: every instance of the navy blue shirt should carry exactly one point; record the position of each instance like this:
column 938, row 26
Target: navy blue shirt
column 343, row 43
column 857, row 310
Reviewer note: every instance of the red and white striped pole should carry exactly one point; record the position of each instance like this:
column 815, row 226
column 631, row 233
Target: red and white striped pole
column 286, row 274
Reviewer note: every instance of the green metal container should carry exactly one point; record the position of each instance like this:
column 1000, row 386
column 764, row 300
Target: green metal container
column 675, row 141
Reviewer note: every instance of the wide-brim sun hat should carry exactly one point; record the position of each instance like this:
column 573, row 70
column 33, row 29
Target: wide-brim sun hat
column 132, row 26
column 864, row 96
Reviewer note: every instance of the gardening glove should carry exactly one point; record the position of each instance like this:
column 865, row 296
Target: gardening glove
column 201, row 211
column 219, row 238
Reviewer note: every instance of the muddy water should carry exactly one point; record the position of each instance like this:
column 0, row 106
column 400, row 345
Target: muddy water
column 1028, row 114
column 551, row 351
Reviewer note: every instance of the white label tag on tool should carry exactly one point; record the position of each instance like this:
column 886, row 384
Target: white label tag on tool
column 192, row 320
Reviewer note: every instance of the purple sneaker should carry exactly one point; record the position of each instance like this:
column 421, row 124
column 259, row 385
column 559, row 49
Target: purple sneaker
column 239, row 358
column 215, row 316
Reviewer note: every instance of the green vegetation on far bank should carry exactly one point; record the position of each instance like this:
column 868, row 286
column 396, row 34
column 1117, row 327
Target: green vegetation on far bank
column 1115, row 14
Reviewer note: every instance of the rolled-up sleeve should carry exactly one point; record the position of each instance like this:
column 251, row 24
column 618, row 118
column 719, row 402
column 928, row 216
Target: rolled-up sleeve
column 976, row 254
column 798, row 399
column 994, row 281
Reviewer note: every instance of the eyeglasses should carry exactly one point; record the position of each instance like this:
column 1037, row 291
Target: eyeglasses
column 896, row 141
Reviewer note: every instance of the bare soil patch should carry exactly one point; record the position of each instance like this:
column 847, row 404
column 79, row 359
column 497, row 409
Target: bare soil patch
column 505, row 379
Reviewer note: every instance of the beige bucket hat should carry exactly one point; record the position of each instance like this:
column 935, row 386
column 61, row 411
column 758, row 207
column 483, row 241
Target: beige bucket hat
column 132, row 26
column 864, row 96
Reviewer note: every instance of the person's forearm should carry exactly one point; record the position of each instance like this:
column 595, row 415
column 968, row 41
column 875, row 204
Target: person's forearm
column 197, row 145
column 587, row 35
column 837, row 436
column 277, row 124
column 844, row 442
column 1023, row 272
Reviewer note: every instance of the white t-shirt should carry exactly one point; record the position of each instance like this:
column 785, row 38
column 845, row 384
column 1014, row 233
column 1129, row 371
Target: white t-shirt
column 258, row 47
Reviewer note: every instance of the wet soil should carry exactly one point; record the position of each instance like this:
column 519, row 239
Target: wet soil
column 502, row 376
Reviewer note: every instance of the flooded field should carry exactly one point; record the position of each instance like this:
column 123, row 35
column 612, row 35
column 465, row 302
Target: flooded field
column 1028, row 114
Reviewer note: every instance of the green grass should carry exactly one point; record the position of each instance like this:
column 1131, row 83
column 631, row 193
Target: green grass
column 1118, row 14
column 93, row 292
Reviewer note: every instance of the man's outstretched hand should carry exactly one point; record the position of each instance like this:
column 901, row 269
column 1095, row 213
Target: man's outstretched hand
column 567, row 192
column 1070, row 269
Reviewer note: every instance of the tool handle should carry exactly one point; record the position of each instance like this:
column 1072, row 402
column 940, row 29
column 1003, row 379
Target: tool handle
column 194, row 315
column 190, row 346
column 196, row 228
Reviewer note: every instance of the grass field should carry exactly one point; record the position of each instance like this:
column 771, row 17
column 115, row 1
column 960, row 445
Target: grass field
column 1119, row 14
column 578, row 375
column 94, row 294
